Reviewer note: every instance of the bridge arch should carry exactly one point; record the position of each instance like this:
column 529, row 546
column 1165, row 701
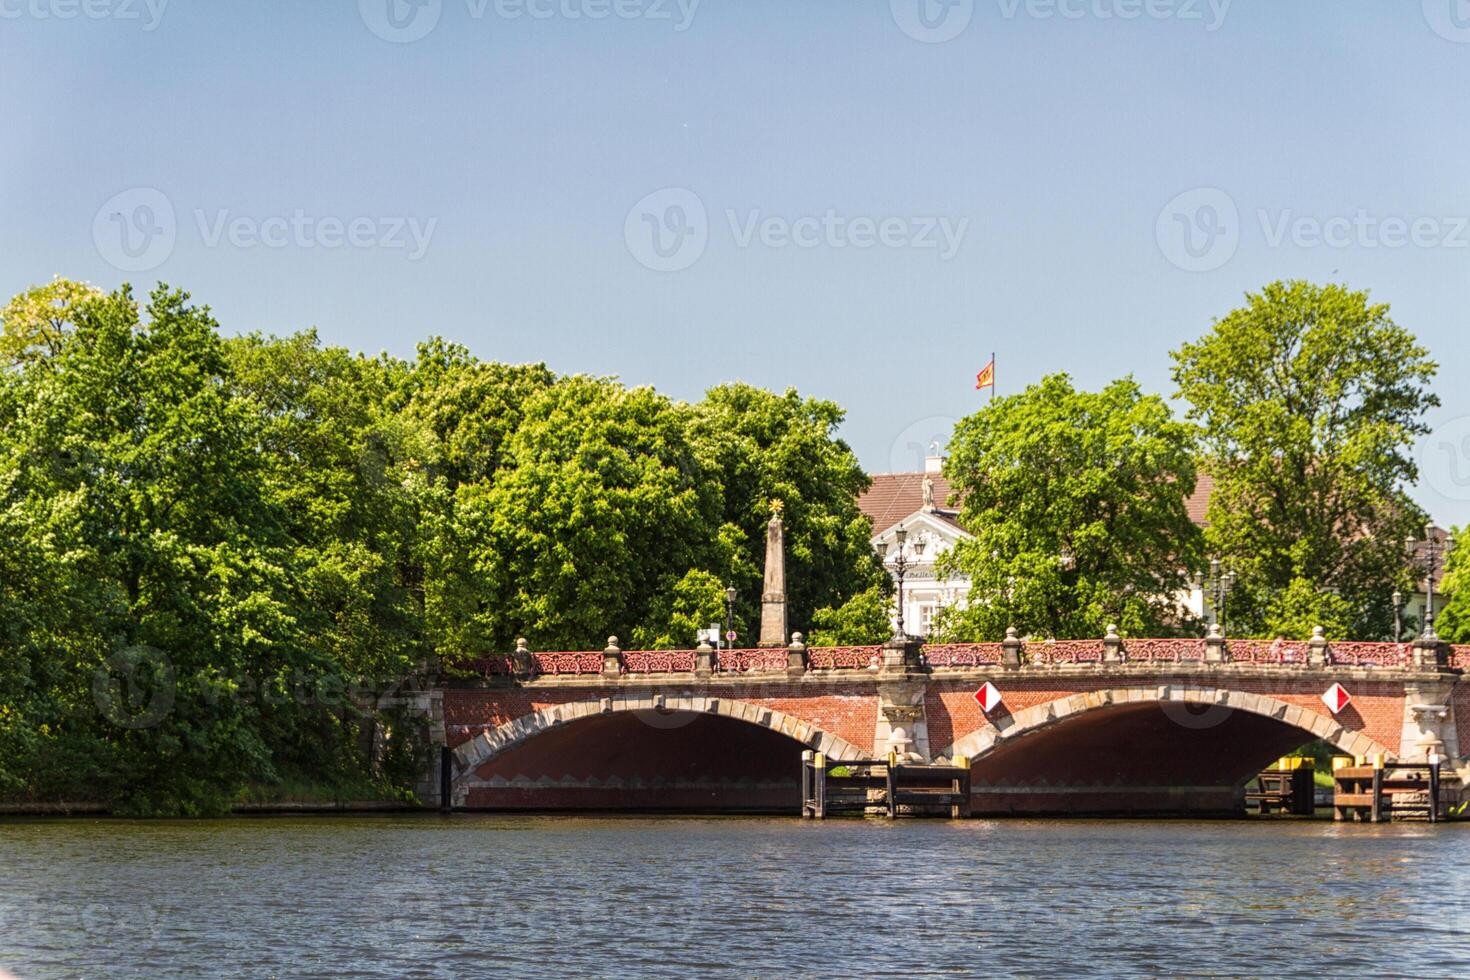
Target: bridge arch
column 549, row 753
column 1157, row 749
column 1221, row 701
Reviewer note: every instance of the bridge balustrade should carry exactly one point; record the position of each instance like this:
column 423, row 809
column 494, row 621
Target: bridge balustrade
column 837, row 658
column 1268, row 652
column 1166, row 651
column 1362, row 654
column 741, row 661
column 963, row 654
column 1065, row 652
column 567, row 662
column 655, row 661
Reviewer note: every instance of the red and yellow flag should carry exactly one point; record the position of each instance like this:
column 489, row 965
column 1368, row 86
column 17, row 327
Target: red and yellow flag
column 986, row 377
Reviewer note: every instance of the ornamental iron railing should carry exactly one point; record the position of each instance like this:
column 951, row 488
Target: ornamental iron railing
column 742, row 661
column 963, row 654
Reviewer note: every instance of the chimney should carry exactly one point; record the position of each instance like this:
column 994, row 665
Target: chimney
column 933, row 464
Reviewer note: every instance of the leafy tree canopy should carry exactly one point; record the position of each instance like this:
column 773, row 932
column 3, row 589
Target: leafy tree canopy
column 1076, row 504
column 1308, row 401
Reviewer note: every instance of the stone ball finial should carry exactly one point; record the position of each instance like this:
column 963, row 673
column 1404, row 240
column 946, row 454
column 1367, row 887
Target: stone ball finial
column 797, row 639
column 1318, row 633
column 612, row 642
column 1112, row 631
column 522, row 645
column 1215, row 631
column 1011, row 633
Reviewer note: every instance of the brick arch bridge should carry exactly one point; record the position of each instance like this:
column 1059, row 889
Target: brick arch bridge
column 1083, row 726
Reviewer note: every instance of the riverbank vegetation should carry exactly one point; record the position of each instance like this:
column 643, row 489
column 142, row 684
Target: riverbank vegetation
column 221, row 558
column 225, row 560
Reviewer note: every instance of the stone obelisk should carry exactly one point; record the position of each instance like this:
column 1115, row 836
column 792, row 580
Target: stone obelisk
column 773, row 596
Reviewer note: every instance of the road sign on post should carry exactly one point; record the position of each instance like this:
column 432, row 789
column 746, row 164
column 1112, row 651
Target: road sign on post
column 1336, row 698
column 988, row 697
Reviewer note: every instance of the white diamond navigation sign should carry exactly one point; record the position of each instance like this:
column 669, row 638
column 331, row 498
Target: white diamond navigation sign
column 988, row 696
column 1336, row 698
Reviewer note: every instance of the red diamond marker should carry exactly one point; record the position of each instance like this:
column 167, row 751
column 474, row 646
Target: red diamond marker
column 988, row 696
column 1336, row 698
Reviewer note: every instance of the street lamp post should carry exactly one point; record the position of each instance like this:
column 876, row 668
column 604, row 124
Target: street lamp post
column 1398, row 616
column 1431, row 551
column 1222, row 582
column 730, row 613
column 900, row 566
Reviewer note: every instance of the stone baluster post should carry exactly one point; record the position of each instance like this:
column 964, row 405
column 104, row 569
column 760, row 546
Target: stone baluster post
column 1319, row 651
column 1216, row 650
column 796, row 656
column 1113, row 652
column 522, row 663
column 1431, row 653
column 704, row 660
column 1010, row 649
column 612, row 659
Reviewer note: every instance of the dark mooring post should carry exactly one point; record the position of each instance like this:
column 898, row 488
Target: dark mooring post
column 806, row 784
column 1377, row 789
column 445, row 760
column 1434, row 787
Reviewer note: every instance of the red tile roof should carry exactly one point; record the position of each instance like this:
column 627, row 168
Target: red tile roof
column 894, row 496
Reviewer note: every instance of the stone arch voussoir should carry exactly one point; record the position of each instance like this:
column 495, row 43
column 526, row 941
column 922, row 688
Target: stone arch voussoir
column 471, row 755
column 1038, row 717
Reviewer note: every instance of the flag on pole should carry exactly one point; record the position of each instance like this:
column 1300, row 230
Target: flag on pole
column 986, row 377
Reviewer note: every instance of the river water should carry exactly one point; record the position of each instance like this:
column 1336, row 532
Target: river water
column 425, row 896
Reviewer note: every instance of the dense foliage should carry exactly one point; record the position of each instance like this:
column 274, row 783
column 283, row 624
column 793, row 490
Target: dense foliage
column 221, row 560
column 1309, row 399
column 1076, row 504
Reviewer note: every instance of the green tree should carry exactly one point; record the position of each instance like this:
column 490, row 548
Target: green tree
column 1452, row 620
column 133, row 451
column 349, row 479
column 1308, row 400
column 1076, row 504
column 599, row 509
column 860, row 621
column 34, row 325
column 759, row 447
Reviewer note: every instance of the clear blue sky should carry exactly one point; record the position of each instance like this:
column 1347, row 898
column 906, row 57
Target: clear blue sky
column 519, row 147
